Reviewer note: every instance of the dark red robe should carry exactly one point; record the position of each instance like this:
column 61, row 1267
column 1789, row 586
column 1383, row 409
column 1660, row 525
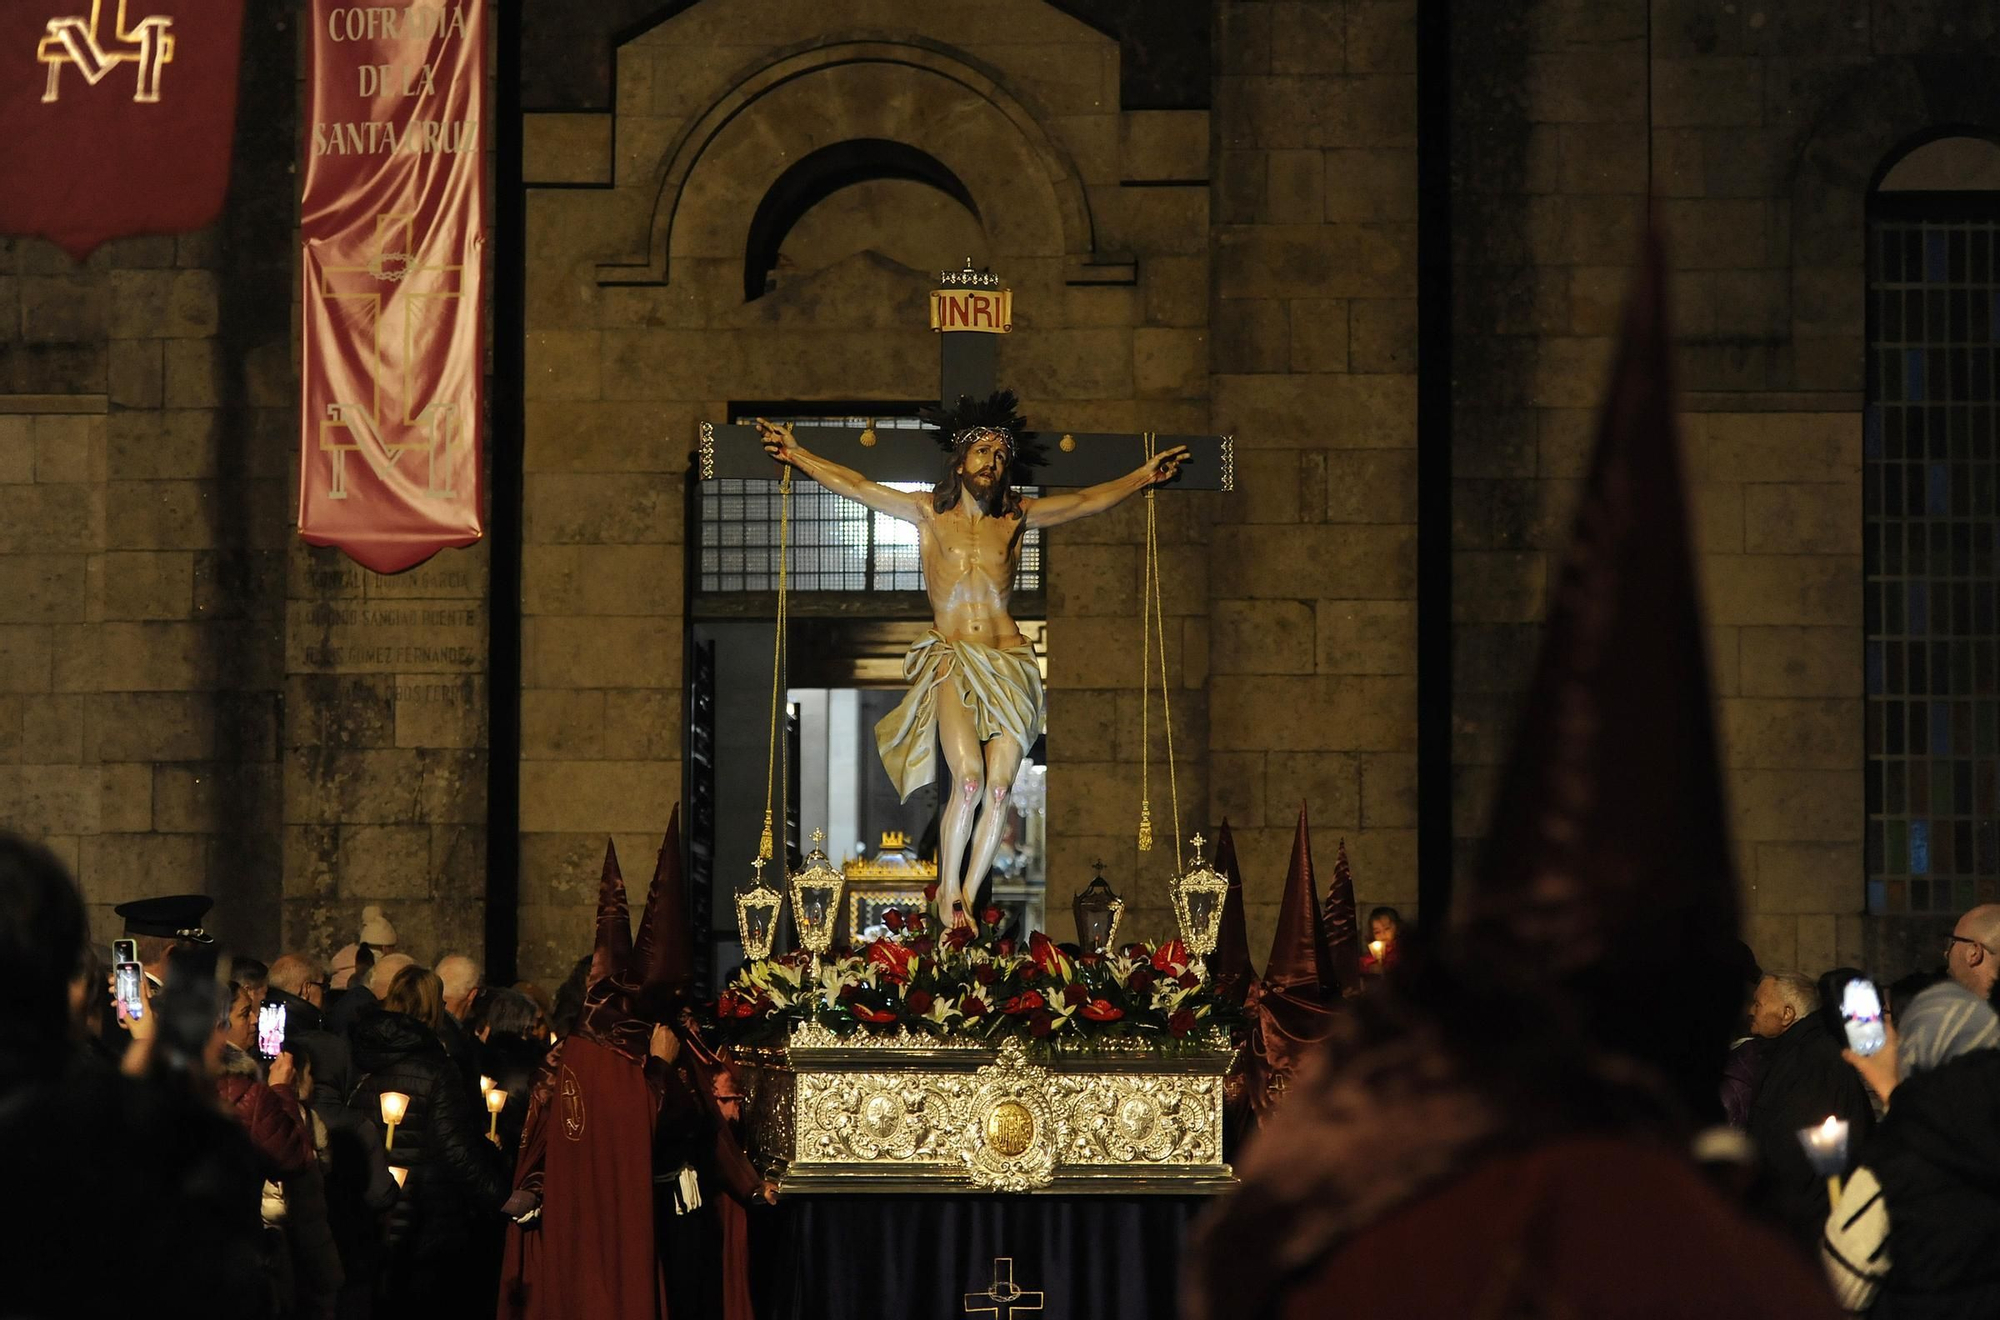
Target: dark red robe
column 587, row 1149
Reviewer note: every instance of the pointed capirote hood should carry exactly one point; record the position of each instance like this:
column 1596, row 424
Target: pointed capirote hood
column 1231, row 965
column 1343, row 926
column 611, row 956
column 1299, row 954
column 663, row 958
column 1608, row 884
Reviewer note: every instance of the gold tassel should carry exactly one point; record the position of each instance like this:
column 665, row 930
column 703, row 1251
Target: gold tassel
column 1145, row 827
column 764, row 840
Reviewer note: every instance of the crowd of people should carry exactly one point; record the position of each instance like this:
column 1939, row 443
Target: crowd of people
column 312, row 1138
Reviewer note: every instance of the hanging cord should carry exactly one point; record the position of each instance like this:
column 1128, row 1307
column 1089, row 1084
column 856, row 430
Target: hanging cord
column 1152, row 621
column 764, row 843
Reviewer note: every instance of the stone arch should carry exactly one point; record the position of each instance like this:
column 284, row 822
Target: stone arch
column 1892, row 105
column 1026, row 187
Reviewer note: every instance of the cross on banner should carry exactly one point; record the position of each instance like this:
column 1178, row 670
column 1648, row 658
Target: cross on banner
column 391, row 281
column 970, row 310
column 1008, row 1298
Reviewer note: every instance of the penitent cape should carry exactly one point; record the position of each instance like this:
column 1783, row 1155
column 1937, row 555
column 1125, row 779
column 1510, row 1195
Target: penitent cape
column 587, row 1149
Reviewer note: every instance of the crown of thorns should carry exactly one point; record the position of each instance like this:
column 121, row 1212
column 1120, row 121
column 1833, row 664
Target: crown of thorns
column 996, row 417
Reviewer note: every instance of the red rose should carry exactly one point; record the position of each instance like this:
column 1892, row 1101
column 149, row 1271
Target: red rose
column 972, row 1006
column 867, row 1014
column 923, row 944
column 1188, row 980
column 893, row 919
column 1025, row 1002
column 1030, row 973
column 916, row 924
column 1171, row 958
column 920, row 1001
column 893, row 959
column 1136, row 952
column 1181, row 1023
column 846, row 992
column 1041, row 1022
column 1102, row 1010
column 1074, row 994
column 957, row 937
column 990, row 915
column 1140, row 980
column 930, row 893
column 987, row 973
column 1005, row 948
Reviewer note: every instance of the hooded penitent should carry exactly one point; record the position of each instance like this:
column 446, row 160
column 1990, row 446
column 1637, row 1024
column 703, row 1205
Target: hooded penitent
column 1291, row 1009
column 1230, row 968
column 611, row 994
column 1586, row 985
column 1343, row 927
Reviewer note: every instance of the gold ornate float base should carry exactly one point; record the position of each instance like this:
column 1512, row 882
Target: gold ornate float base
column 908, row 1114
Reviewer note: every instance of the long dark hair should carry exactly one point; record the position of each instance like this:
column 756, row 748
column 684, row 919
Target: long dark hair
column 1003, row 499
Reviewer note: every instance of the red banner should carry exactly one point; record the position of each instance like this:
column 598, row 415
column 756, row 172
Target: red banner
column 394, row 228
column 116, row 116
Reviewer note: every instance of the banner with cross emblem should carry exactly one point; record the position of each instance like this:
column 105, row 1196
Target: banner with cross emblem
column 116, row 116
column 394, row 230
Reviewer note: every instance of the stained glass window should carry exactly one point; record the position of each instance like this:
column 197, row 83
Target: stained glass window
column 1928, row 478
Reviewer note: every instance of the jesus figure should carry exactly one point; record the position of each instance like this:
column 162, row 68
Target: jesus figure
column 974, row 685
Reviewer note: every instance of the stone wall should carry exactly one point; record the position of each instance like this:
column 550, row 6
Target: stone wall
column 1758, row 129
column 1312, row 629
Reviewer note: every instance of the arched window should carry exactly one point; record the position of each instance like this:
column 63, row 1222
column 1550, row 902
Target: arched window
column 1929, row 466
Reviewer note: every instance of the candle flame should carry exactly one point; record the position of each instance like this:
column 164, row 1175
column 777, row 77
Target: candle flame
column 1831, row 1126
column 486, row 1086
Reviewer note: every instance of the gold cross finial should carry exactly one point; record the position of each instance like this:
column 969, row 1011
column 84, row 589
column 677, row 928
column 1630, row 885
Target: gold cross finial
column 758, row 867
column 1197, row 841
column 819, row 836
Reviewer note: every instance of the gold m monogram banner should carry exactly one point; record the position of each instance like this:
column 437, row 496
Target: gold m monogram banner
column 394, row 230
column 116, row 116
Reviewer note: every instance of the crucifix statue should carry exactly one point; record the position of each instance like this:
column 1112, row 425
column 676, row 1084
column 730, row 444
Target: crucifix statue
column 974, row 682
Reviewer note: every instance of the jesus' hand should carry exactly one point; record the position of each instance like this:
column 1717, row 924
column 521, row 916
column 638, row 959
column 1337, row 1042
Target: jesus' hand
column 1166, row 465
column 779, row 442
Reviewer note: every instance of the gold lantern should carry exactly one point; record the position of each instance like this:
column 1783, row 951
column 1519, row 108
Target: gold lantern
column 816, row 899
column 1199, row 895
column 1097, row 912
column 757, row 916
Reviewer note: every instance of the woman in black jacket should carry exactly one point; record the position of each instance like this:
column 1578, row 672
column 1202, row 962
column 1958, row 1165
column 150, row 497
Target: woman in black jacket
column 455, row 1184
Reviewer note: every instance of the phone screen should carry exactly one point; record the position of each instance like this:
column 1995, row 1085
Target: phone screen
column 1861, row 1014
column 130, row 993
column 270, row 1030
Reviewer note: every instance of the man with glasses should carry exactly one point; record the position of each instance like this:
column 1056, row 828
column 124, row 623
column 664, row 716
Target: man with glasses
column 1972, row 950
column 298, row 981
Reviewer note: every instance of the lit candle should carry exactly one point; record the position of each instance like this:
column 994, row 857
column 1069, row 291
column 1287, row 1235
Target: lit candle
column 486, row 1086
column 496, row 1100
column 1376, row 949
column 1826, row 1149
column 399, row 1173
column 394, row 1105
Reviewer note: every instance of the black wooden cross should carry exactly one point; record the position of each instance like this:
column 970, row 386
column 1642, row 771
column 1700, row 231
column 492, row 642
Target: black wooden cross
column 966, row 357
column 1003, row 1299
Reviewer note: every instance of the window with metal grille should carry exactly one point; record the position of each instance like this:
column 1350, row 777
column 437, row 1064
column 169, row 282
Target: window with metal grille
column 836, row 544
column 1928, row 478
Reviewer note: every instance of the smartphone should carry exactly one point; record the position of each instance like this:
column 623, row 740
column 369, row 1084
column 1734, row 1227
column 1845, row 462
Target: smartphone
column 270, row 1030
column 1861, row 1014
column 128, row 978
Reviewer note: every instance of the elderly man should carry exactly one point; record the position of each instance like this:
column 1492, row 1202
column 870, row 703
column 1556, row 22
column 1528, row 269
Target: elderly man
column 1805, row 1082
column 298, row 981
column 461, row 977
column 1972, row 950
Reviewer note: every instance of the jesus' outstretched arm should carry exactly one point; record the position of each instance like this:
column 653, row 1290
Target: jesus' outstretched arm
column 781, row 444
column 1054, row 510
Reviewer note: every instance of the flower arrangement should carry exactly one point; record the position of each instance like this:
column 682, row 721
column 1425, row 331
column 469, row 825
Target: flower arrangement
column 987, row 986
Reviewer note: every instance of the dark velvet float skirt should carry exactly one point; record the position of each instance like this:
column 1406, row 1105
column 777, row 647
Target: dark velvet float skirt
column 924, row 1257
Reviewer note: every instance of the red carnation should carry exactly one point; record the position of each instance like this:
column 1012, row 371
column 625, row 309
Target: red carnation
column 990, row 915
column 972, row 1006
column 1102, row 1010
column 1074, row 994
column 1181, row 1023
column 893, row 919
column 1041, row 1022
column 987, row 973
column 1141, row 979
column 1025, row 1002
column 920, row 1001
column 867, row 1014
